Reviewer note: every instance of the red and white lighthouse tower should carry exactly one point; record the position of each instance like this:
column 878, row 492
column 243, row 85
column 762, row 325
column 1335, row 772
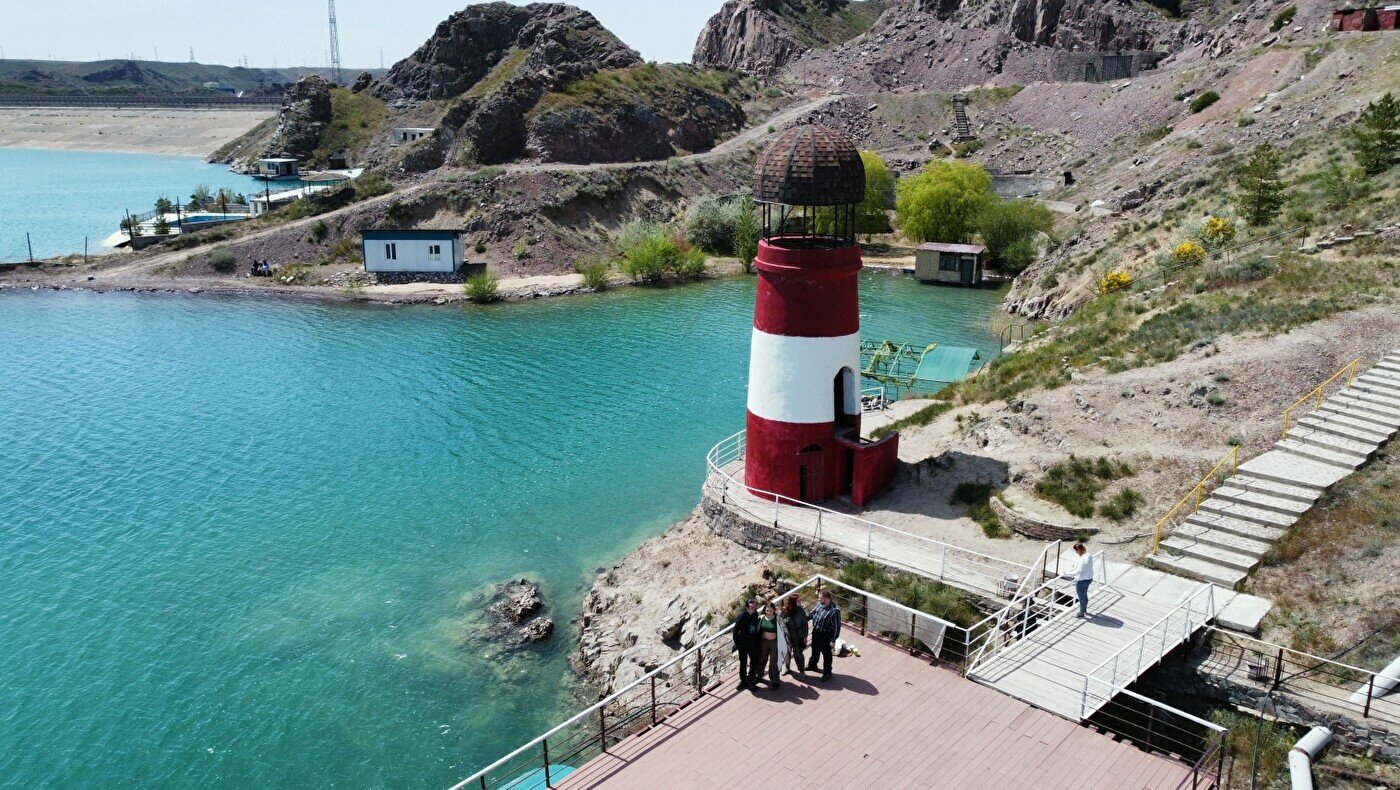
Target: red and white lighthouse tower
column 803, row 438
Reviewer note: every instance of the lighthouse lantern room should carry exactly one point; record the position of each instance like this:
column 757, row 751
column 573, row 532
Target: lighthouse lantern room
column 803, row 439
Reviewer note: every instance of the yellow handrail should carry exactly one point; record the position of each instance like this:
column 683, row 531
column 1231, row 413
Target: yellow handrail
column 1197, row 493
column 1316, row 394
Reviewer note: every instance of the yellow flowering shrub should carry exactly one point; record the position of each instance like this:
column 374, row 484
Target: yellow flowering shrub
column 1189, row 252
column 1115, row 281
column 1218, row 231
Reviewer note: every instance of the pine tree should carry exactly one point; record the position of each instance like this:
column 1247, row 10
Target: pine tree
column 1260, row 195
column 1375, row 138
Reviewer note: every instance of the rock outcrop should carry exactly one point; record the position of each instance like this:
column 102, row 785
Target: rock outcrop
column 306, row 110
column 496, row 60
column 664, row 111
column 516, row 613
column 762, row 36
column 560, row 43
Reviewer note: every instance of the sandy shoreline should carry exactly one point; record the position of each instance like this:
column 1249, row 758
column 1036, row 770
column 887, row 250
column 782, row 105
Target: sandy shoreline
column 146, row 131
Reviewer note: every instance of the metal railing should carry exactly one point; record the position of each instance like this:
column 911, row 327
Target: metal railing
column 1141, row 654
column 1323, row 684
column 1031, row 608
column 1319, row 391
column 1161, row 729
column 1198, row 493
column 657, row 695
column 854, row 536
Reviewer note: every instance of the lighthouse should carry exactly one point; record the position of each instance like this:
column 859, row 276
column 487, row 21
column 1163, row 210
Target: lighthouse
column 803, row 425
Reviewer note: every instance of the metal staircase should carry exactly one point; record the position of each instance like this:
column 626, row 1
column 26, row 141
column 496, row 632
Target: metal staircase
column 962, row 126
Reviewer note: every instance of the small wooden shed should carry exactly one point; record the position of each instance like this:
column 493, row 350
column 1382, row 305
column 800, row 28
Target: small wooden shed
column 949, row 264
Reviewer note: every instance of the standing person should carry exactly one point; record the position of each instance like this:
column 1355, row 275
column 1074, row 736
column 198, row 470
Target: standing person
column 826, row 627
column 746, row 640
column 1083, row 577
column 768, row 641
column 796, row 622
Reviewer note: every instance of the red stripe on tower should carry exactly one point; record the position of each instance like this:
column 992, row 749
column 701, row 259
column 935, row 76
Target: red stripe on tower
column 804, row 367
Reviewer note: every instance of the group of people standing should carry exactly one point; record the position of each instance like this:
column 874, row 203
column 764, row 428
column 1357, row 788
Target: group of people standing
column 768, row 639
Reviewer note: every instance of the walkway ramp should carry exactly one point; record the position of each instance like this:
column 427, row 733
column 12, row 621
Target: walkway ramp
column 1073, row 667
column 1228, row 534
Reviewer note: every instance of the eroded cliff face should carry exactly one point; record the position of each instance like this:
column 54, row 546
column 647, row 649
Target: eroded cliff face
column 306, row 110
column 496, row 60
column 760, row 37
column 551, row 43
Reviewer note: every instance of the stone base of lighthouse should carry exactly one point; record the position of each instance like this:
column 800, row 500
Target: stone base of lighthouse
column 804, row 381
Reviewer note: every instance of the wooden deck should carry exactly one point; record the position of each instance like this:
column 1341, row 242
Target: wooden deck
column 885, row 720
column 1048, row 666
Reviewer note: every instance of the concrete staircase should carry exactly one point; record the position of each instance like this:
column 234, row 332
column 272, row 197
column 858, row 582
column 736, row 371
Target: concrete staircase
column 962, row 125
column 1232, row 530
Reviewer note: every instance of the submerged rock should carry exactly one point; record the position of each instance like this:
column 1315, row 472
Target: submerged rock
column 515, row 614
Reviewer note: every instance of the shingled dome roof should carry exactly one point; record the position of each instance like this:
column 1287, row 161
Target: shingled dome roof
column 809, row 165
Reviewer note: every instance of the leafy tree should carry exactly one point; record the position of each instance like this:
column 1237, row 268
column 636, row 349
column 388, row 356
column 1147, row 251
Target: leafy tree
column 162, row 228
column 943, row 201
column 1375, row 138
column 163, row 205
column 1260, row 194
column 201, row 195
column 879, row 192
column 1008, row 229
column 482, row 288
column 746, row 232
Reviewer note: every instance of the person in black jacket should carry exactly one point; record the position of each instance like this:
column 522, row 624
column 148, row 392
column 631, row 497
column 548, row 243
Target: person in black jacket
column 826, row 627
column 747, row 642
column 795, row 619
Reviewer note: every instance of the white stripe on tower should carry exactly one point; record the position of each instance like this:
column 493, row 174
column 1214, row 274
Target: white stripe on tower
column 790, row 378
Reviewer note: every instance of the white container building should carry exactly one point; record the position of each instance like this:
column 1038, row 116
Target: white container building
column 396, row 250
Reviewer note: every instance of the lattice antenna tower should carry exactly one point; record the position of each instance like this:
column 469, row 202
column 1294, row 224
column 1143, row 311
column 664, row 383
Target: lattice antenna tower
column 335, row 45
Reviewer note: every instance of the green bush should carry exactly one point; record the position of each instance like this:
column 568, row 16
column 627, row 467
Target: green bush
column 222, row 260
column 483, row 288
column 371, row 185
column 319, row 229
column 1121, row 505
column 1342, row 185
column 1008, row 228
column 977, row 497
column 1154, row 134
column 910, row 590
column 1283, row 18
column 648, row 255
column 1249, row 270
column 1204, row 100
column 162, row 227
column 1076, row 483
column 480, row 248
column 595, row 275
column 746, row 233
column 711, row 222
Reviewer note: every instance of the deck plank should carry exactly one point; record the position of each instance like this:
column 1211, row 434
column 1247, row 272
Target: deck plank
column 885, row 720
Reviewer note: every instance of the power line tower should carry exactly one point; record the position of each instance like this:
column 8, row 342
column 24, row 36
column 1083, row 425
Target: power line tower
column 335, row 46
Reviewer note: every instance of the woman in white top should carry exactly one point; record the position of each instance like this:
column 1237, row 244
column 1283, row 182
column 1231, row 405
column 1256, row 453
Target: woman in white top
column 1083, row 578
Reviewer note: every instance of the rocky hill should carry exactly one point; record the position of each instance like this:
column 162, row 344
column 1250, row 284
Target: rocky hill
column 762, row 36
column 143, row 77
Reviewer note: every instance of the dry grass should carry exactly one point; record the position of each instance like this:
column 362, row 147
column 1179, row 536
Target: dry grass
column 1332, row 578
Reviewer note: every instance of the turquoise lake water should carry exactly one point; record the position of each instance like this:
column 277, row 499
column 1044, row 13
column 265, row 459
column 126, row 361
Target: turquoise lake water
column 244, row 542
column 59, row 197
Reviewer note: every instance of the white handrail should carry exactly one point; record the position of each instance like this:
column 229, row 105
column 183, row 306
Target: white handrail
column 1206, row 612
column 616, row 695
column 715, row 466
